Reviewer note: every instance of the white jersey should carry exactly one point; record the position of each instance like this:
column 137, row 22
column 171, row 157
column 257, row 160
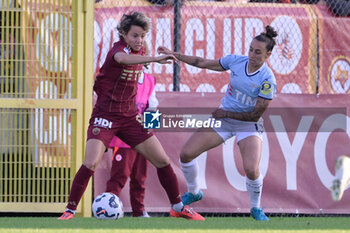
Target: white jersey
column 244, row 88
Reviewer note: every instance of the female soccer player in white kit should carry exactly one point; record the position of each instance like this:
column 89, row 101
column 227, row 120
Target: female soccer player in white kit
column 250, row 90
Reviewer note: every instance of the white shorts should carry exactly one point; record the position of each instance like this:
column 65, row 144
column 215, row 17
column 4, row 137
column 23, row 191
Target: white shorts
column 242, row 129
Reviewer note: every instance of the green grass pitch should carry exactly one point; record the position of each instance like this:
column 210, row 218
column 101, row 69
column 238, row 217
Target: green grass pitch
column 174, row 225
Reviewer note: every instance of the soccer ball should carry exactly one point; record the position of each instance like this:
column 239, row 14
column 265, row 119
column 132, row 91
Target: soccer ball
column 107, row 206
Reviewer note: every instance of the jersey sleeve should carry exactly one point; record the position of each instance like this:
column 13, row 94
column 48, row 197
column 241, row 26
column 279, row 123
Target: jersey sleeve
column 117, row 48
column 225, row 61
column 230, row 60
column 268, row 88
column 120, row 48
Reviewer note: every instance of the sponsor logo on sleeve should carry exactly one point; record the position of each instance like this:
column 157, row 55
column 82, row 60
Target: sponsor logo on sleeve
column 266, row 88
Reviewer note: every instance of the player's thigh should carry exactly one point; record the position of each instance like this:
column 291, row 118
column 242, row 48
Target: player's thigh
column 94, row 151
column 200, row 141
column 250, row 148
column 153, row 151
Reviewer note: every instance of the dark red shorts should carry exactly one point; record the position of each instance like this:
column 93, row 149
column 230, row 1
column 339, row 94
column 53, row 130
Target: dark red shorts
column 129, row 129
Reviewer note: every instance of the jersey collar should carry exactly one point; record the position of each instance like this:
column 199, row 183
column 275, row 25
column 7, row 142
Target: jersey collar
column 254, row 73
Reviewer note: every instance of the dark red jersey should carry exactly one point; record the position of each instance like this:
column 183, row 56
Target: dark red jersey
column 116, row 84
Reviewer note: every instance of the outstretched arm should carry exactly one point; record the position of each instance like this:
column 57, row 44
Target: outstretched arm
column 260, row 107
column 133, row 59
column 193, row 60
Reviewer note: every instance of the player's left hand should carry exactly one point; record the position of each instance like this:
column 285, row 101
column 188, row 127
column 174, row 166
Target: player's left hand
column 219, row 113
column 164, row 50
column 166, row 59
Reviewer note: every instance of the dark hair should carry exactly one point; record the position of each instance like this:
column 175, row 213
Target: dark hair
column 134, row 18
column 268, row 37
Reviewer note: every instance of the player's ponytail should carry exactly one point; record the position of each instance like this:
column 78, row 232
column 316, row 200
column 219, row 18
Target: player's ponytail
column 268, row 37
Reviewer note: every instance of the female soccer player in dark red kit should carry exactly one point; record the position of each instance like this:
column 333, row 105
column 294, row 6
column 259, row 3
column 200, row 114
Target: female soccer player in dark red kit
column 116, row 114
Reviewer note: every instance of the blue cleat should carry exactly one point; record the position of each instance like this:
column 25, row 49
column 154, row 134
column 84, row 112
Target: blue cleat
column 258, row 214
column 189, row 198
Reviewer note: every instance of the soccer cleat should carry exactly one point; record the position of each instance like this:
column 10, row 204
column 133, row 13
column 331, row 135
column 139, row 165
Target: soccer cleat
column 144, row 215
column 189, row 198
column 258, row 214
column 66, row 215
column 342, row 177
column 187, row 213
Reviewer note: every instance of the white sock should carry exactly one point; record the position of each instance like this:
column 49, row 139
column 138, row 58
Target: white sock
column 178, row 207
column 72, row 211
column 254, row 188
column 190, row 171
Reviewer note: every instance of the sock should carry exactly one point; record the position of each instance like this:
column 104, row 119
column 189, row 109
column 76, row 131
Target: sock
column 178, row 207
column 69, row 210
column 254, row 188
column 190, row 171
column 168, row 180
column 79, row 185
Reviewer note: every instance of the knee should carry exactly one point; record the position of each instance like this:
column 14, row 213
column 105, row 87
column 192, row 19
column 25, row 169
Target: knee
column 91, row 165
column 186, row 156
column 252, row 173
column 161, row 163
